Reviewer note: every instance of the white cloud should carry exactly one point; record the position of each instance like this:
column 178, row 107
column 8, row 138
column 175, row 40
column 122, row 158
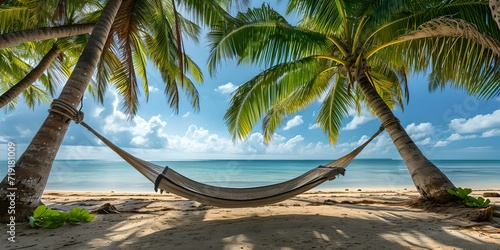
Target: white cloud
column 199, row 140
column 24, row 132
column 143, row 132
column 478, row 123
column 97, row 111
column 419, row 131
column 287, row 146
column 441, row 144
column 294, row 122
column 477, row 149
column 491, row 133
column 457, row 137
column 149, row 133
column 313, row 126
column 138, row 141
column 186, row 114
column 153, row 89
column 357, row 120
column 424, row 142
column 227, row 88
column 378, row 147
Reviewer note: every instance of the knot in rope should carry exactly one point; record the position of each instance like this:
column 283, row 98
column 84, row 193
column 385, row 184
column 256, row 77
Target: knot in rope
column 65, row 109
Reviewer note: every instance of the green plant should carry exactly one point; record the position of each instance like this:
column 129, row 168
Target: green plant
column 49, row 218
column 463, row 193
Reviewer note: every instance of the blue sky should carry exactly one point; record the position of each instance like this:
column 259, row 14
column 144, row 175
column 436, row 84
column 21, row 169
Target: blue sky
column 445, row 124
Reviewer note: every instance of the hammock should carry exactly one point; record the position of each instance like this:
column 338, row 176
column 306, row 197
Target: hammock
column 169, row 180
column 166, row 179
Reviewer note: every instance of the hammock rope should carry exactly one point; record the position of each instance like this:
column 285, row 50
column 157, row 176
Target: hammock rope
column 166, row 179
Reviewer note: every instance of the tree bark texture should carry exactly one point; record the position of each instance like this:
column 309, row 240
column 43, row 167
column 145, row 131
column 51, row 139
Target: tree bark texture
column 17, row 37
column 33, row 167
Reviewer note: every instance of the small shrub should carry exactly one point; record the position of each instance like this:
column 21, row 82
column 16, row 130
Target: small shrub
column 463, row 194
column 49, row 218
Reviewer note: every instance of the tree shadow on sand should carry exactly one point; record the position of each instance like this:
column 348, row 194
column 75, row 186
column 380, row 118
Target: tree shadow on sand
column 179, row 224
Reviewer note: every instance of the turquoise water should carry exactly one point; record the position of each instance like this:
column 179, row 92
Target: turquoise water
column 97, row 175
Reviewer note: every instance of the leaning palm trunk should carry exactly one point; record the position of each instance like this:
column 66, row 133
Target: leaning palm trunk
column 18, row 37
column 33, row 167
column 30, row 78
column 430, row 182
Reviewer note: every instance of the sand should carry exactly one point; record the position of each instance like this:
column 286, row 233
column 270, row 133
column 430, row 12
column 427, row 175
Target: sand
column 332, row 219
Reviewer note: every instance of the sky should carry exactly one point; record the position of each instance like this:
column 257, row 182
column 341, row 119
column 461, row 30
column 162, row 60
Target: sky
column 445, row 124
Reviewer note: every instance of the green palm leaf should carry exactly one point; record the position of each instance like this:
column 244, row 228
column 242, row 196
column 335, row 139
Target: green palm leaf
column 313, row 80
column 335, row 108
column 262, row 37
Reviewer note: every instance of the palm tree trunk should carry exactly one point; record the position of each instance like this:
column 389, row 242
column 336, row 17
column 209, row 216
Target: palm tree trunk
column 30, row 78
column 430, row 182
column 33, row 167
column 18, row 37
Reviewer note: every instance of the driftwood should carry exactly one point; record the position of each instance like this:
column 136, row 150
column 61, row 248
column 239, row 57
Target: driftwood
column 491, row 194
column 107, row 208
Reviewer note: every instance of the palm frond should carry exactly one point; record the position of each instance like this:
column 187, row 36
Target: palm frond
column 191, row 92
column 326, row 17
column 314, row 80
column 395, row 18
column 108, row 64
column 335, row 108
column 445, row 27
column 139, row 61
column 35, row 95
column 255, row 98
column 207, row 12
column 452, row 27
column 13, row 18
column 261, row 36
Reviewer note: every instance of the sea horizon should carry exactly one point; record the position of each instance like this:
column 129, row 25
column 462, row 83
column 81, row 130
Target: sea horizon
column 364, row 173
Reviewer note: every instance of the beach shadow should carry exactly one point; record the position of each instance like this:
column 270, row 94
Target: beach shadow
column 107, row 230
column 389, row 229
column 152, row 223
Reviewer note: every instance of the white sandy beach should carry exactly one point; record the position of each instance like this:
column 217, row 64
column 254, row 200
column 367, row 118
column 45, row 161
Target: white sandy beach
column 315, row 220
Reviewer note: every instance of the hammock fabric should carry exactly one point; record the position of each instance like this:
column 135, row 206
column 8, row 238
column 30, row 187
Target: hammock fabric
column 171, row 181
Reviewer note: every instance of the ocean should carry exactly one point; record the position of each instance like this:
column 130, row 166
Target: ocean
column 118, row 176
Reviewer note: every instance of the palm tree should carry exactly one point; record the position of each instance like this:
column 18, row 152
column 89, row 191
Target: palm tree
column 136, row 34
column 13, row 68
column 35, row 163
column 154, row 31
column 53, row 24
column 30, row 78
column 356, row 52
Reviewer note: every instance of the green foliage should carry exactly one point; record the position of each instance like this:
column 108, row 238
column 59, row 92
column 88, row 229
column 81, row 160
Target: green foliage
column 48, row 218
column 79, row 215
column 463, row 193
column 336, row 43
